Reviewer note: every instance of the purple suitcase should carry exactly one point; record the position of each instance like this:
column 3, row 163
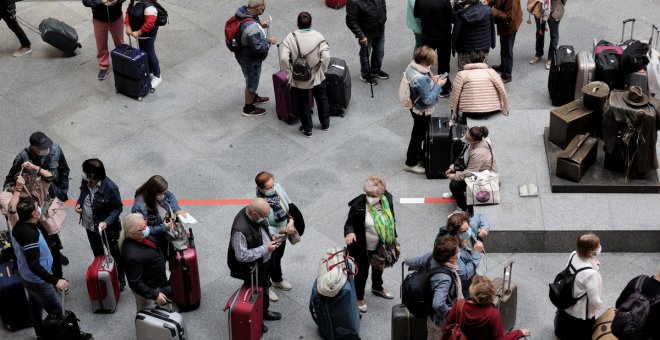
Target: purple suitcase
column 285, row 105
column 131, row 71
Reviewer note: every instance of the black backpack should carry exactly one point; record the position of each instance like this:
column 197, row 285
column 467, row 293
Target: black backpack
column 300, row 69
column 634, row 57
column 162, row 19
column 416, row 292
column 631, row 316
column 561, row 289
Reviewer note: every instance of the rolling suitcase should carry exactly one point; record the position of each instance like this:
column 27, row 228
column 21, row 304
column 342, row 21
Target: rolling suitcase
column 285, row 105
column 562, row 76
column 13, row 300
column 130, row 66
column 337, row 317
column 246, row 318
column 160, row 324
column 603, row 327
column 61, row 325
column 59, row 35
column 586, row 67
column 103, row 282
column 184, row 277
column 336, row 4
column 441, row 146
column 607, row 69
column 338, row 86
column 639, row 78
column 405, row 326
column 506, row 299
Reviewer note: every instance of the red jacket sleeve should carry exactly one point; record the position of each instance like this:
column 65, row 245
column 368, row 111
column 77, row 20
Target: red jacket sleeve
column 149, row 22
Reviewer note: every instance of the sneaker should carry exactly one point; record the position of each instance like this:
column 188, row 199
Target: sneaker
column 445, row 93
column 325, row 128
column 260, row 100
column 548, row 64
column 102, row 74
column 151, row 76
column 156, row 81
column 22, row 52
column 307, row 134
column 362, row 307
column 122, row 286
column 86, row 336
column 534, row 60
column 447, row 195
column 416, row 169
column 506, row 80
column 381, row 74
column 64, row 260
column 253, row 111
column 368, row 79
column 272, row 296
column 283, row 285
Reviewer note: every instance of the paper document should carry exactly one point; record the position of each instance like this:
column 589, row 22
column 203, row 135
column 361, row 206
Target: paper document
column 270, row 23
column 187, row 219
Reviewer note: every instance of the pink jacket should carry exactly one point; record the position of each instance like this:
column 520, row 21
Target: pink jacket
column 478, row 89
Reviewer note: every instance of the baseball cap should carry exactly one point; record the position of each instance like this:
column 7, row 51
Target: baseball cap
column 40, row 140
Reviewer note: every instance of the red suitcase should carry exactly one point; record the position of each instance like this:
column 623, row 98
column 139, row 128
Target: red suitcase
column 336, row 4
column 246, row 312
column 103, row 282
column 184, row 277
column 285, row 105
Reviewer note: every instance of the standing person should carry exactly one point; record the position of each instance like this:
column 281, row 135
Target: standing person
column 446, row 284
column 474, row 31
column 508, row 17
column 140, row 23
column 577, row 321
column 425, row 89
column 252, row 245
column 107, row 17
column 366, row 19
column 551, row 16
column 99, row 206
column 32, row 182
column 650, row 288
column 437, row 17
column 8, row 14
column 279, row 222
column 310, row 44
column 414, row 24
column 254, row 45
column 370, row 221
column 34, row 265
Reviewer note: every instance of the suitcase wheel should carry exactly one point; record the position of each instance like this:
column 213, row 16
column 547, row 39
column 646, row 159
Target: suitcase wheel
column 139, row 99
column 152, row 90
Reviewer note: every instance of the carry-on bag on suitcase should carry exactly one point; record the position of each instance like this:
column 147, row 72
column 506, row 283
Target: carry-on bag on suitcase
column 441, row 146
column 184, row 277
column 405, row 325
column 286, row 106
column 160, row 324
column 586, row 67
column 130, row 66
column 639, row 78
column 102, row 281
column 59, row 35
column 337, row 317
column 338, row 86
column 336, row 4
column 506, row 299
column 14, row 310
column 562, row 76
column 245, row 317
column 603, row 327
column 61, row 325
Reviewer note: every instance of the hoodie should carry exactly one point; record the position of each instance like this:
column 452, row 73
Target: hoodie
column 481, row 322
column 254, row 43
column 474, row 30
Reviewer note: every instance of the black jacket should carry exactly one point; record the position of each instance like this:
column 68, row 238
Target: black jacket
column 104, row 13
column 106, row 205
column 9, row 6
column 436, row 17
column 144, row 267
column 650, row 288
column 366, row 18
column 474, row 29
column 355, row 224
column 55, row 162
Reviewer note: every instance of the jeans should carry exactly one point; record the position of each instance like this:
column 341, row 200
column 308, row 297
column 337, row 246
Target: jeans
column 96, row 244
column 251, row 72
column 377, row 48
column 16, row 28
column 457, row 189
column 417, row 136
column 263, row 280
column 553, row 25
column 101, row 30
column 41, row 296
column 363, row 265
column 302, row 98
column 443, row 48
column 148, row 45
column 506, row 54
column 276, row 269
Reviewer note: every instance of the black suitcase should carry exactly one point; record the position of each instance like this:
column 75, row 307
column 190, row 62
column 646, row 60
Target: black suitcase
column 639, row 78
column 442, row 146
column 562, row 76
column 338, row 86
column 607, row 69
column 13, row 300
column 131, row 70
column 62, row 325
column 59, row 35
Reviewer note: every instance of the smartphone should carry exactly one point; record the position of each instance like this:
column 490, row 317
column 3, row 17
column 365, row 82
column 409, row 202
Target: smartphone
column 444, row 75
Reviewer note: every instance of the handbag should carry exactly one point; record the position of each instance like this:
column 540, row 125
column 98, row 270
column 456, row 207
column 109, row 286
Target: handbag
column 453, row 330
column 53, row 215
column 298, row 221
column 483, row 188
column 295, row 237
column 334, row 268
column 177, row 235
column 385, row 256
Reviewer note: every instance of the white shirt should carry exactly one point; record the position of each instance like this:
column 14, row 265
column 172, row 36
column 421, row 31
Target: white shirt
column 587, row 281
column 370, row 231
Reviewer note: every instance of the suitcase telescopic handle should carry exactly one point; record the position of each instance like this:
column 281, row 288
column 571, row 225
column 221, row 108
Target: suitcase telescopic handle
column 507, row 265
column 403, row 263
column 632, row 29
column 654, row 29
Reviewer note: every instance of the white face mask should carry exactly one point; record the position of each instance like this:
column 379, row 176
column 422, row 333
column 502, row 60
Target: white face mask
column 372, row 200
column 44, row 152
column 160, row 197
column 39, row 212
column 84, row 177
column 599, row 250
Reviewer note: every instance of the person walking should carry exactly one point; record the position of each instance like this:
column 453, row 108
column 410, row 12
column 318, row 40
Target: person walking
column 366, row 19
column 549, row 19
column 8, row 14
column 508, row 16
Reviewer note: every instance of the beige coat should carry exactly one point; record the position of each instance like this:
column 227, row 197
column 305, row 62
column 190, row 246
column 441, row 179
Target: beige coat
column 478, row 89
column 308, row 40
column 481, row 158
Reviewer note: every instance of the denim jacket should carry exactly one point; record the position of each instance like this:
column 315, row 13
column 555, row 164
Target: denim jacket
column 442, row 285
column 424, row 91
column 154, row 219
column 106, row 206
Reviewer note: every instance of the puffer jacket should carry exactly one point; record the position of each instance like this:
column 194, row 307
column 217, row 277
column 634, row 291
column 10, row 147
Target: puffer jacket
column 437, row 17
column 474, row 30
column 508, row 15
column 481, row 158
column 478, row 89
column 366, row 18
column 314, row 45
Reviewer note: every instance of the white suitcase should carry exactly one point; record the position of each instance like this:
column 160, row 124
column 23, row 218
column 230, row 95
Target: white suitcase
column 586, row 68
column 160, row 324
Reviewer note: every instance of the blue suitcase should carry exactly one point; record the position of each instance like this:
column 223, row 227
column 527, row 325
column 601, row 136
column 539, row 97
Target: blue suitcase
column 337, row 317
column 131, row 70
column 13, row 299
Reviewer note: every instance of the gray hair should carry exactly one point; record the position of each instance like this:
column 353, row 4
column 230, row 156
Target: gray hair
column 255, row 3
column 131, row 223
column 374, row 185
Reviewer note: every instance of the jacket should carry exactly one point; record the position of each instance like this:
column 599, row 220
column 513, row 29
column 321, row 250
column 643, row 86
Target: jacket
column 355, row 224
column 478, row 88
column 413, row 23
column 254, row 43
column 587, row 281
column 154, row 218
column 508, row 16
column 144, row 267
column 480, row 322
column 557, row 9
column 443, row 286
column 366, row 18
column 650, row 288
column 32, row 254
column 253, row 236
column 481, row 158
column 437, row 17
column 142, row 16
column 424, row 92
column 55, row 162
column 104, row 13
column 106, row 205
column 314, row 45
column 474, row 30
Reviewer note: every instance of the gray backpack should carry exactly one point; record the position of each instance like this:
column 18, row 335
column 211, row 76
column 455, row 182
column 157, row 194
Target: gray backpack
column 630, row 318
column 300, row 69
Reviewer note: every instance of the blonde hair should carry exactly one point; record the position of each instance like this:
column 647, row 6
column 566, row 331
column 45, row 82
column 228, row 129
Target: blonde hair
column 131, row 223
column 482, row 291
column 425, row 55
column 374, row 184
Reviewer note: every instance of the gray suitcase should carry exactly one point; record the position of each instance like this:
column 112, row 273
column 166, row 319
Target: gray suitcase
column 586, row 70
column 160, row 324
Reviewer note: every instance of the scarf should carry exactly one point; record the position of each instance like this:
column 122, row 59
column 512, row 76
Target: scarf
column 383, row 221
column 457, row 279
column 274, row 202
column 546, row 10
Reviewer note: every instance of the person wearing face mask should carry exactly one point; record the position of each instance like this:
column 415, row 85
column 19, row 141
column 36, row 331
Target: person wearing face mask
column 252, row 245
column 279, row 222
column 471, row 253
column 370, row 221
column 99, row 206
column 143, row 263
column 577, row 321
column 32, row 182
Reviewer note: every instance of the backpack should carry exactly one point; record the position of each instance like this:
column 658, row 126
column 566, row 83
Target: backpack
column 631, row 316
column 161, row 19
column 634, row 57
column 232, row 28
column 535, row 8
column 300, row 69
column 561, row 289
column 454, row 330
column 416, row 292
column 404, row 92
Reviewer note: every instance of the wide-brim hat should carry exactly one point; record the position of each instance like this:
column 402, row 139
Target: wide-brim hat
column 636, row 96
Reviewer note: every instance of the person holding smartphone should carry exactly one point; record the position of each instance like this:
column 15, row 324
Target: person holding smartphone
column 107, row 17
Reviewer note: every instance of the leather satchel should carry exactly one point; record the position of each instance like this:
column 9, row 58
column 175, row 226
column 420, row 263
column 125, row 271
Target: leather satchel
column 569, row 120
column 577, row 158
column 385, row 256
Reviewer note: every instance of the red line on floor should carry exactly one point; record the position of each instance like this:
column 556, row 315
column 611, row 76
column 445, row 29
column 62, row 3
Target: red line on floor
column 240, row 201
column 438, row 200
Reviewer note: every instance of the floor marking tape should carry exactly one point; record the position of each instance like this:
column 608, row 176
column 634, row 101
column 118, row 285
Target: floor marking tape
column 240, row 201
column 426, row 200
